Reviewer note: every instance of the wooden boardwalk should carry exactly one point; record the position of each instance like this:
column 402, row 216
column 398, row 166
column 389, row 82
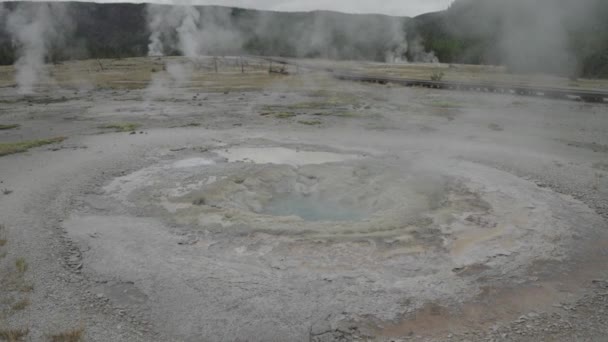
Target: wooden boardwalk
column 548, row 92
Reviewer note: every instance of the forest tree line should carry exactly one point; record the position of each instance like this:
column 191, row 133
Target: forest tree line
column 556, row 36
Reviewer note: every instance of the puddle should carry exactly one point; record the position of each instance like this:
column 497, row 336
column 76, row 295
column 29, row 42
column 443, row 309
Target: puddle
column 280, row 155
column 312, row 209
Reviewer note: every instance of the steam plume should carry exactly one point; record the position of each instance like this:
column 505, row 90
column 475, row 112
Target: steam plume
column 35, row 30
column 528, row 36
column 191, row 32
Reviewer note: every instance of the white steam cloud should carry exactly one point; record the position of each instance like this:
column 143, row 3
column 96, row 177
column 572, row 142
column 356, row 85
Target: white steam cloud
column 539, row 40
column 202, row 31
column 190, row 32
column 34, row 31
column 419, row 54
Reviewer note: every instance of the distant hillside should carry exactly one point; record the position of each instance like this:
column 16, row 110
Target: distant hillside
column 558, row 36
column 121, row 30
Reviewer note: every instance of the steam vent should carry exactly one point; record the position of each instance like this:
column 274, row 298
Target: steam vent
column 201, row 173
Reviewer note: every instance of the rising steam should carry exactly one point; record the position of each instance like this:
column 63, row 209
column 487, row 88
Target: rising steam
column 191, row 31
column 203, row 31
column 35, row 30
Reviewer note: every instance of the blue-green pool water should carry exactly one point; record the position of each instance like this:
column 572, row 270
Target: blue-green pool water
column 312, row 209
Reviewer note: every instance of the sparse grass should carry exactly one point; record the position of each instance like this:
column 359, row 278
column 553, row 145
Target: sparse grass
column 21, row 265
column 335, row 96
column 36, row 100
column 310, row 122
column 347, row 114
column 331, row 107
column 47, row 100
column 7, row 127
column 15, row 281
column 21, row 304
column 329, row 101
column 310, row 105
column 313, row 105
column 445, row 104
column 121, row 126
column 3, row 238
column 478, row 73
column 23, row 146
column 320, row 93
column 73, row 335
column 135, row 73
column 279, row 115
column 339, row 113
column 437, row 75
column 284, row 115
column 13, row 335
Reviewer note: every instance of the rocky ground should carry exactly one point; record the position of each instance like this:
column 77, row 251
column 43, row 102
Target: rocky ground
column 256, row 207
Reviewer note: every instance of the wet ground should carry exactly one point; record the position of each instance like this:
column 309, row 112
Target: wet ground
column 272, row 208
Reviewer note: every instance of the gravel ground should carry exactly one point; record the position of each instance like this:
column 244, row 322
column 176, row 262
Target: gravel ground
column 160, row 232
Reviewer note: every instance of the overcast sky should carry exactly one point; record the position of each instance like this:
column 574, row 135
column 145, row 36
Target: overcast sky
column 391, row 7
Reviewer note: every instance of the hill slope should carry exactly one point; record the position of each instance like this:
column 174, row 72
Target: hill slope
column 121, row 30
column 556, row 36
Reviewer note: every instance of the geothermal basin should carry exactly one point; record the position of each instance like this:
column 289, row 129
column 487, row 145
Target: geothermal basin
column 302, row 208
column 385, row 235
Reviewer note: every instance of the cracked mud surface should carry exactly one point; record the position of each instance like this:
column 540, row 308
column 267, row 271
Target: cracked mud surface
column 402, row 222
